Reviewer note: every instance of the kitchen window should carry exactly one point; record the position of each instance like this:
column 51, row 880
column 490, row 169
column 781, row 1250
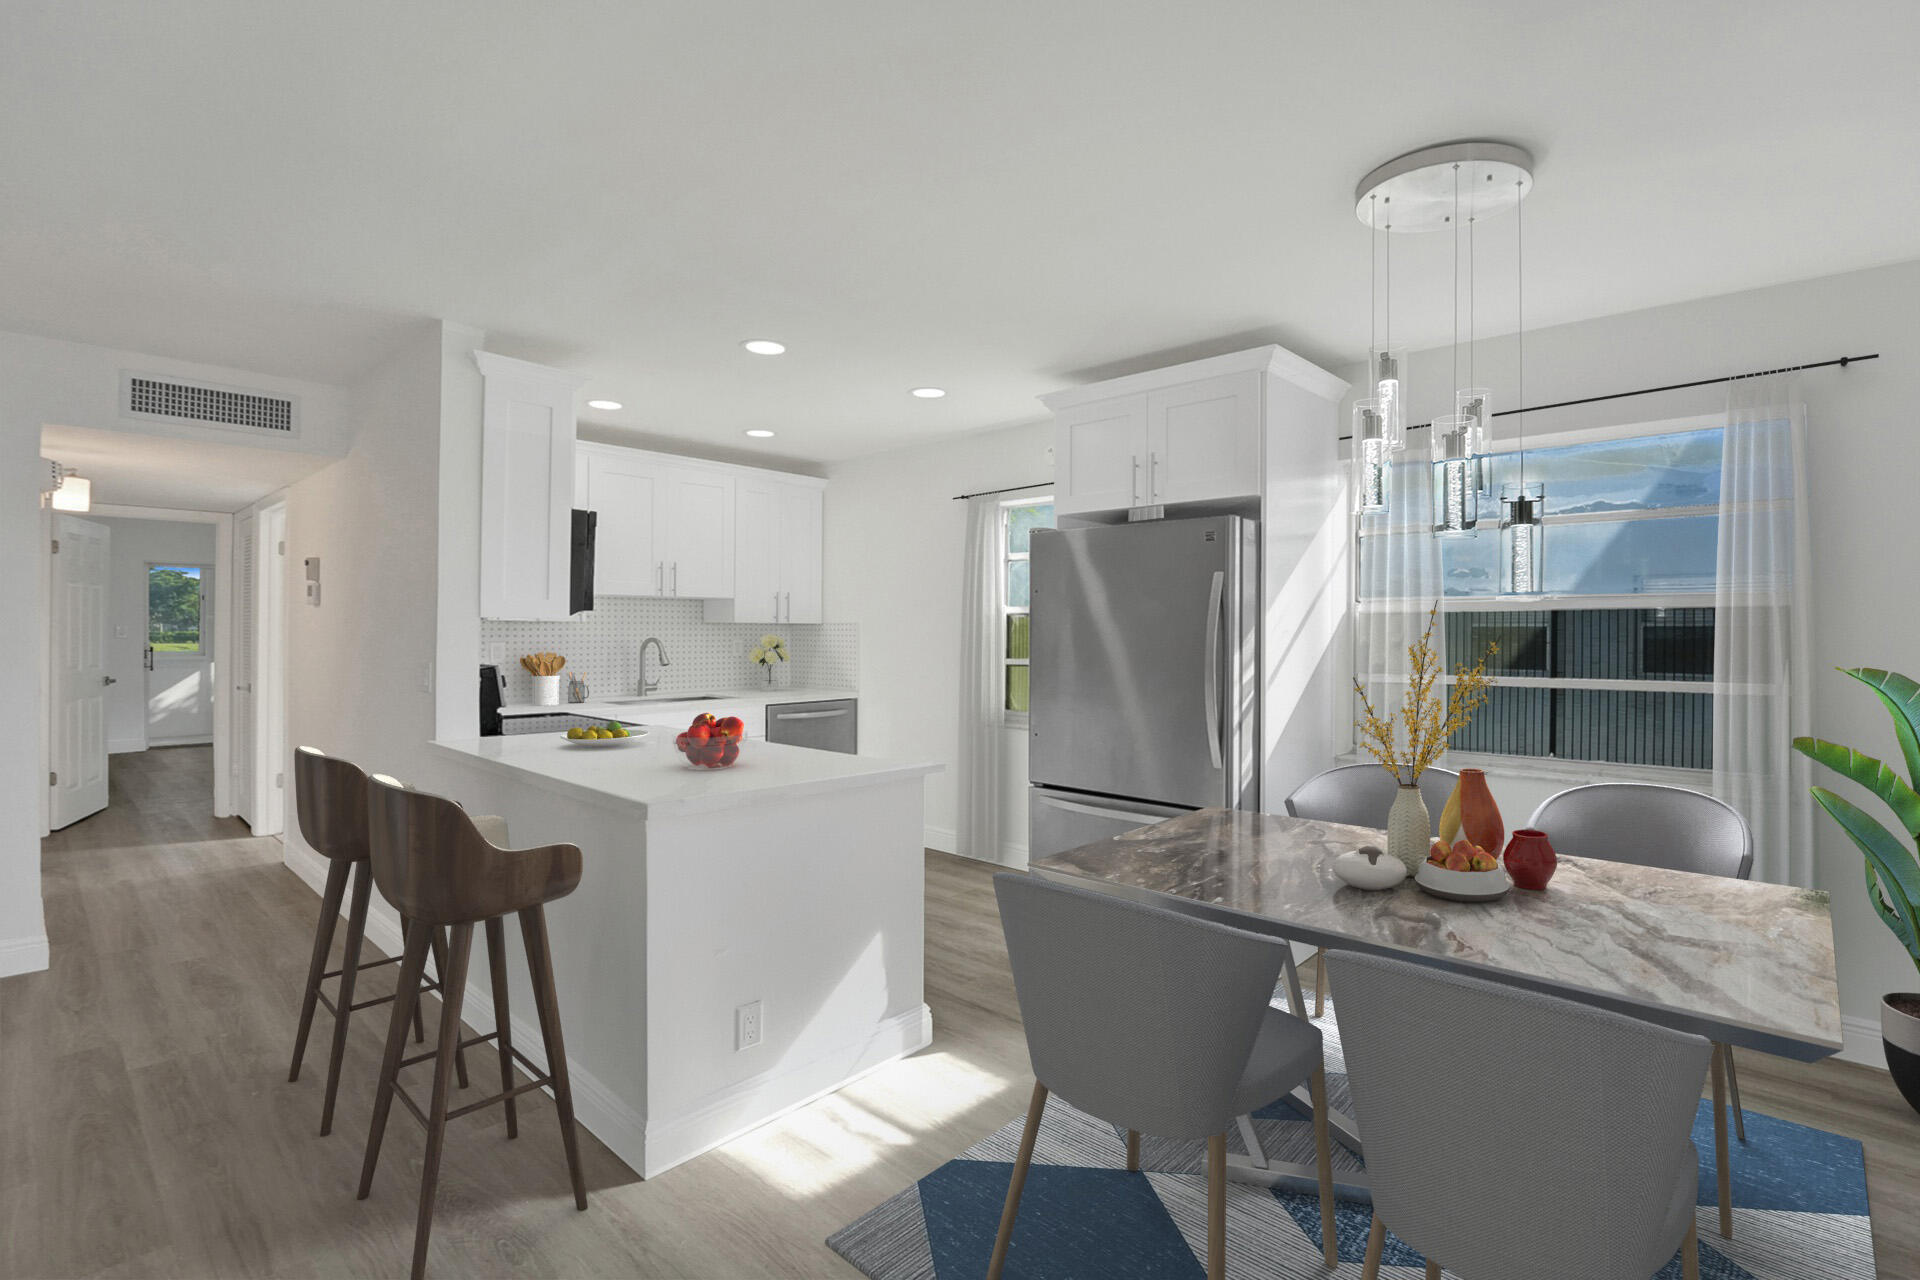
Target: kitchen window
column 1614, row 661
column 1018, row 519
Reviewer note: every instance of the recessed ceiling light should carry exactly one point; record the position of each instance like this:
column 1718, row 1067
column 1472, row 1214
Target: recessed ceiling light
column 760, row 433
column 929, row 393
column 764, row 346
column 603, row 404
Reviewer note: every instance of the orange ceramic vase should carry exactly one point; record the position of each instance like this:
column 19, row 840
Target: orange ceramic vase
column 1480, row 819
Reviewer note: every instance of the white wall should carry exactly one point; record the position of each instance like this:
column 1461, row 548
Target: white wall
column 42, row 382
column 894, row 543
column 186, row 709
column 1863, row 457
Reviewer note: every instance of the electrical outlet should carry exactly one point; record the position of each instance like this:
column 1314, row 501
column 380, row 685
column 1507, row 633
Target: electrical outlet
column 499, row 654
column 746, row 1026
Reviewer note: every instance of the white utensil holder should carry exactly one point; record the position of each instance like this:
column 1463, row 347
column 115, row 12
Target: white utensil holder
column 546, row 691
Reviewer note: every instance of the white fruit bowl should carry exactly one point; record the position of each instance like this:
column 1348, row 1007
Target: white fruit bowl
column 1463, row 886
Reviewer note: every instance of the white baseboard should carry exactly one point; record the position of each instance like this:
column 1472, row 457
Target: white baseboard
column 1861, row 1040
column 189, row 740
column 23, row 955
column 941, row 838
column 125, row 746
column 740, row 1108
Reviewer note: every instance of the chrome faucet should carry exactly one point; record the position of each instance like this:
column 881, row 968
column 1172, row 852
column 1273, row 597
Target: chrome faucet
column 648, row 686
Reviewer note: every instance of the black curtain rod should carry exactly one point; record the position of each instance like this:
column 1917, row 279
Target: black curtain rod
column 1842, row 362
column 988, row 493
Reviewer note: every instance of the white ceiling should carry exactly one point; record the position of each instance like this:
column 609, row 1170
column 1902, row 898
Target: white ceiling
column 996, row 197
column 134, row 470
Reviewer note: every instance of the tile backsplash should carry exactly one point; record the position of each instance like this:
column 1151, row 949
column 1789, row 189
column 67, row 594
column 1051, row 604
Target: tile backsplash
column 603, row 648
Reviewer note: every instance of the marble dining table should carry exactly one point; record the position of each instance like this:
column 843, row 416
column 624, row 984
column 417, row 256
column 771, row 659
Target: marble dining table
column 1740, row 962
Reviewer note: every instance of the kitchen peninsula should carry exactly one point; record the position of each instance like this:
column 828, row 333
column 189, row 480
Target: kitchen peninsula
column 745, row 939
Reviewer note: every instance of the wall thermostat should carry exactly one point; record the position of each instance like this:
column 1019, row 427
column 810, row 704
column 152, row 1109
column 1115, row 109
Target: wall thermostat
column 313, row 580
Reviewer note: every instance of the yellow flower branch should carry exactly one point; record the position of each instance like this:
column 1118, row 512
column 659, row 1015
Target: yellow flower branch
column 1429, row 722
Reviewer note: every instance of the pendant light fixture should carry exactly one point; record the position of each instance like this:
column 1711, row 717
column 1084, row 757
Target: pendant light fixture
column 1441, row 188
column 1372, row 457
column 1521, row 504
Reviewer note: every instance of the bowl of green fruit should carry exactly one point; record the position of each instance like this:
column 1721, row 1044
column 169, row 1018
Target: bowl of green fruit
column 610, row 734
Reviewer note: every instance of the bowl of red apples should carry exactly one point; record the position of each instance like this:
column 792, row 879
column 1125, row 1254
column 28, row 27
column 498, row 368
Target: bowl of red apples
column 1464, row 872
column 712, row 742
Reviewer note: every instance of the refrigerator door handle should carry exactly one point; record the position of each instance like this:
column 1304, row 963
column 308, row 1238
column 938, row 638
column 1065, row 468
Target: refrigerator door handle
column 1098, row 811
column 1215, row 599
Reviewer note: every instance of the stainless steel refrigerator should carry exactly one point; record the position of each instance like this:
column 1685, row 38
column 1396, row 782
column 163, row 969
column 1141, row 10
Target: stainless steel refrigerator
column 1145, row 677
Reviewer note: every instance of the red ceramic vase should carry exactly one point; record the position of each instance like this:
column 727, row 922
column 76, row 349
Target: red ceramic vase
column 1480, row 819
column 1530, row 859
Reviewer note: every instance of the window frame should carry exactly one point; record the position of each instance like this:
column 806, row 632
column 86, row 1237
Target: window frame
column 1550, row 602
column 203, row 649
column 1004, row 556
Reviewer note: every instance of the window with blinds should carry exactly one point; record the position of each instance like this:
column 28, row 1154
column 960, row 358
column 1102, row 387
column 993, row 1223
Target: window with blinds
column 1613, row 661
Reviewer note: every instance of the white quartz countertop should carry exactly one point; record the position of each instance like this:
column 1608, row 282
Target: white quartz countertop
column 653, row 775
column 670, row 706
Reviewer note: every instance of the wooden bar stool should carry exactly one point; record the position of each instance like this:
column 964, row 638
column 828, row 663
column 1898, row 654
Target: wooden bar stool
column 330, row 796
column 435, row 866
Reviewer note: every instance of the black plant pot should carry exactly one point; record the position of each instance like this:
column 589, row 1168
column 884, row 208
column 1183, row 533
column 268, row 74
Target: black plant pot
column 1900, row 1036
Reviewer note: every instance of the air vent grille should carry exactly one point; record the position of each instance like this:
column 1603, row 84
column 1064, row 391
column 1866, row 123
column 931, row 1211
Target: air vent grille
column 185, row 402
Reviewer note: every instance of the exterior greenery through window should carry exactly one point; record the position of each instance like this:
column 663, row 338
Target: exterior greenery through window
column 1018, row 520
column 1614, row 660
column 173, row 608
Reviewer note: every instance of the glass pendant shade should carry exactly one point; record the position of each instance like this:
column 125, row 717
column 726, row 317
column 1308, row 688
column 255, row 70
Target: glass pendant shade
column 1475, row 406
column 1371, row 462
column 1521, row 506
column 1389, row 388
column 1456, row 476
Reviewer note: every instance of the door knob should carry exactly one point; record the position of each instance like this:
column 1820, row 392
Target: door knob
column 108, row 680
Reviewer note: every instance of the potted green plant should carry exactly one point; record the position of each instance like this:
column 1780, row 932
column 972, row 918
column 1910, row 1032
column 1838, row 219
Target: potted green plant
column 1893, row 867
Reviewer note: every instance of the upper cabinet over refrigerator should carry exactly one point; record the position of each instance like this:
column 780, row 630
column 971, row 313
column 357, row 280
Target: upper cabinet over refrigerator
column 1200, row 432
column 526, row 488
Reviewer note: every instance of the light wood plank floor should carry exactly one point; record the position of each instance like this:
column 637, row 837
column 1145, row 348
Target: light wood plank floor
column 147, row 1127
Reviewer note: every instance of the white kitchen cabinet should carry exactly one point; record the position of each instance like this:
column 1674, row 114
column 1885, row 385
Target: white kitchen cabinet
column 628, row 490
column 696, row 534
column 526, row 488
column 777, row 562
column 1197, row 433
column 1203, row 440
column 1099, row 452
column 666, row 524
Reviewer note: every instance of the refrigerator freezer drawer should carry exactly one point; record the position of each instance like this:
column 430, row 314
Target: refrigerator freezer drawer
column 1061, row 820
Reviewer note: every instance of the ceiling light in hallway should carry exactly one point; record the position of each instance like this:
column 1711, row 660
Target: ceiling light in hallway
column 929, row 393
column 764, row 346
column 603, row 404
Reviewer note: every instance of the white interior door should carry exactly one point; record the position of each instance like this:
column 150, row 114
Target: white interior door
column 269, row 673
column 246, row 541
column 80, row 679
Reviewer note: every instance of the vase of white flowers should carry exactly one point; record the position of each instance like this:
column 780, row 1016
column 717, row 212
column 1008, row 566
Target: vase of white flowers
column 771, row 655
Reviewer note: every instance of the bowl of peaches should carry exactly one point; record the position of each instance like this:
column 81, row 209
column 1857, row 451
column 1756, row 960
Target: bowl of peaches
column 712, row 742
column 1464, row 872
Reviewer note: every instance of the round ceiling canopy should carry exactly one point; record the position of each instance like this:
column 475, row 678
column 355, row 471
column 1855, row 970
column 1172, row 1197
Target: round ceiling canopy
column 1417, row 192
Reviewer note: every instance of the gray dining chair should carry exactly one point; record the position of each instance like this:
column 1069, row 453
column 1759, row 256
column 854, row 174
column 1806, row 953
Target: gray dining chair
column 1359, row 795
column 1513, row 1135
column 1157, row 1022
column 1650, row 825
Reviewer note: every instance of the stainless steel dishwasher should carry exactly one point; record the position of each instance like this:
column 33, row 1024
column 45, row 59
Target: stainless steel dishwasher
column 831, row 725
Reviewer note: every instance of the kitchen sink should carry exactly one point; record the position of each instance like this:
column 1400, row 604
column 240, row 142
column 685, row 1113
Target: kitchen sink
column 632, row 699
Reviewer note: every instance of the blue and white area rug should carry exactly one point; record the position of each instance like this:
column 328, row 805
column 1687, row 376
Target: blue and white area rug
column 1799, row 1195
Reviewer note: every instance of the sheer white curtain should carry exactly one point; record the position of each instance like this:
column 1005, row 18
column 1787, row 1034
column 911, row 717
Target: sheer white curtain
column 1760, row 626
column 977, row 779
column 1397, row 579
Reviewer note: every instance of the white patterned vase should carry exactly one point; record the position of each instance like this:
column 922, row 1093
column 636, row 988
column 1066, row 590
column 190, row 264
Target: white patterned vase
column 1409, row 829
